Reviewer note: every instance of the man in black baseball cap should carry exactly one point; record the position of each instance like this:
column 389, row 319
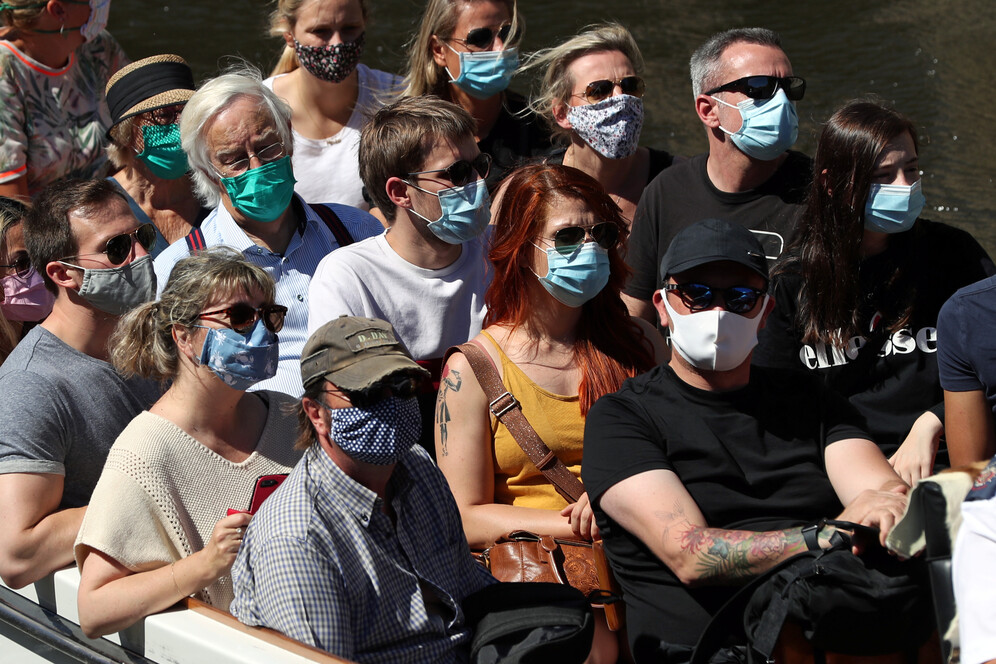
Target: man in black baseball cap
column 361, row 552
column 702, row 473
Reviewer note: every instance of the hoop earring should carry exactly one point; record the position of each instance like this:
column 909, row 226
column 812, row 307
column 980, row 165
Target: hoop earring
column 62, row 29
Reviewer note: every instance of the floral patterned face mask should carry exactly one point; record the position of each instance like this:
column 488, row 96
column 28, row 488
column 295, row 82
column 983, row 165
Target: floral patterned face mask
column 333, row 62
column 611, row 127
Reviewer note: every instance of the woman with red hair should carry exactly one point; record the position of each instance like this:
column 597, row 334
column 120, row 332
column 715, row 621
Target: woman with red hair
column 560, row 337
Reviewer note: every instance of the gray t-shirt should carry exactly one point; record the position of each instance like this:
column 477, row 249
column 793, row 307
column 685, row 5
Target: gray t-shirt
column 61, row 411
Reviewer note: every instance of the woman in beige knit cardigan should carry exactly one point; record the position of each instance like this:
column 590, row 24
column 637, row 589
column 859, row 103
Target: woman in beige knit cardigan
column 156, row 529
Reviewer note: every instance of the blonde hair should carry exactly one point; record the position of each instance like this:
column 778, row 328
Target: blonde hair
column 557, row 84
column 282, row 20
column 423, row 76
column 142, row 343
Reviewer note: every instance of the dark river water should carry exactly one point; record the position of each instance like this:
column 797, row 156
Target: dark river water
column 932, row 59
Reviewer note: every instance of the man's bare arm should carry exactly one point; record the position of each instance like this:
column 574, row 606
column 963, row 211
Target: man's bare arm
column 36, row 538
column 968, row 427
column 656, row 507
column 640, row 308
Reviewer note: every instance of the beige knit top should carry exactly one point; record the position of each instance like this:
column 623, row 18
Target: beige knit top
column 162, row 492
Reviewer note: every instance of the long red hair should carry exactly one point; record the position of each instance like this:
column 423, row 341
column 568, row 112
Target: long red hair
column 609, row 347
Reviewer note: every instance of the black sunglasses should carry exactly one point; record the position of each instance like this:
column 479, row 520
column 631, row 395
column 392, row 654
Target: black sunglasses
column 699, row 297
column 764, row 87
column 403, row 386
column 567, row 239
column 463, row 172
column 119, row 247
column 600, row 90
column 483, row 38
column 242, row 316
column 21, row 266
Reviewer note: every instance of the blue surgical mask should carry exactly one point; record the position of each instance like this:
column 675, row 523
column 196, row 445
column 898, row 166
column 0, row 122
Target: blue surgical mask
column 769, row 127
column 263, row 193
column 484, row 74
column 893, row 208
column 464, row 212
column 576, row 278
column 380, row 434
column 162, row 151
column 240, row 360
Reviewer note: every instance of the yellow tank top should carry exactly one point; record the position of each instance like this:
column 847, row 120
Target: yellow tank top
column 557, row 421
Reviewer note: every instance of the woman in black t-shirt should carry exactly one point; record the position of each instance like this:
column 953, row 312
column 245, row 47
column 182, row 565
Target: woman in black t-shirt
column 591, row 96
column 859, row 291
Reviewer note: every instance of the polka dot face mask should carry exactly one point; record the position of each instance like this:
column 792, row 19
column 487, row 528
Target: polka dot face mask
column 333, row 62
column 379, row 434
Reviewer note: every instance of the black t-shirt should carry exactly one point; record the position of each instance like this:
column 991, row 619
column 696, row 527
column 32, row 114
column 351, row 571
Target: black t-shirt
column 684, row 194
column 895, row 379
column 751, row 459
column 659, row 160
column 515, row 139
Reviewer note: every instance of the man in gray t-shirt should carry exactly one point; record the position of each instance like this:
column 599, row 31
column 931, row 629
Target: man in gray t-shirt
column 63, row 404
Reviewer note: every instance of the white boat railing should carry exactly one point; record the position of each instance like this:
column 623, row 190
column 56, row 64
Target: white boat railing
column 40, row 623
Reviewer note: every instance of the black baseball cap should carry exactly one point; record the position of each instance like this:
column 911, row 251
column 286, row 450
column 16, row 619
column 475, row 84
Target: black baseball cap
column 713, row 240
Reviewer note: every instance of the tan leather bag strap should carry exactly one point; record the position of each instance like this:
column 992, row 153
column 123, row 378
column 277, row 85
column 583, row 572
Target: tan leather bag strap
column 506, row 408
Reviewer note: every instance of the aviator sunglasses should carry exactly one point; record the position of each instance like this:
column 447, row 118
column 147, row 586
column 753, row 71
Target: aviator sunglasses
column 600, row 90
column 764, row 87
column 119, row 247
column 243, row 316
column 699, row 297
column 21, row 266
column 483, row 38
column 402, row 386
column 566, row 240
column 462, row 172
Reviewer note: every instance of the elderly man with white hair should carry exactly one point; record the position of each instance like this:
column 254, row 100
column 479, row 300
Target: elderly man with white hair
column 237, row 137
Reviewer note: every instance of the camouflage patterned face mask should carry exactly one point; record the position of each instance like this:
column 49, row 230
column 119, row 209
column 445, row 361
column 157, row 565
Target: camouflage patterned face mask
column 333, row 62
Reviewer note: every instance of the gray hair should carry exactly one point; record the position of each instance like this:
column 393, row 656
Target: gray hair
column 212, row 98
column 706, row 64
column 557, row 84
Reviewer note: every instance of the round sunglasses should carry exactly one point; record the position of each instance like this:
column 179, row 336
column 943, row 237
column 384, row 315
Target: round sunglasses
column 484, row 38
column 567, row 239
column 764, row 87
column 601, row 89
column 242, row 316
column 699, row 297
column 462, row 172
column 118, row 248
column 21, row 265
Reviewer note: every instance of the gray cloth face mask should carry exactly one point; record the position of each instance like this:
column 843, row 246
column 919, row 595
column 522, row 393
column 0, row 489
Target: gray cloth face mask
column 118, row 290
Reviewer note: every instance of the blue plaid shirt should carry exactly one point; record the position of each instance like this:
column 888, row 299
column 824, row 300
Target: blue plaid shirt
column 291, row 271
column 322, row 563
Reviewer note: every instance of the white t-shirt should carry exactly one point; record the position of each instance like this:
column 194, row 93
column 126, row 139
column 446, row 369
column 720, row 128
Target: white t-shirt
column 973, row 572
column 430, row 310
column 327, row 169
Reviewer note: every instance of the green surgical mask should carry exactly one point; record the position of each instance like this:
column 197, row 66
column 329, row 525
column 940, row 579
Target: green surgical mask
column 263, row 193
column 162, row 152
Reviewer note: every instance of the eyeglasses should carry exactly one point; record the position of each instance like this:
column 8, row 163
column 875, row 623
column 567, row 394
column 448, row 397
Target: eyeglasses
column 463, row 172
column 484, row 38
column 567, row 239
column 118, row 248
column 164, row 116
column 699, row 297
column 600, row 90
column 764, row 87
column 265, row 155
column 242, row 316
column 21, row 265
column 403, row 386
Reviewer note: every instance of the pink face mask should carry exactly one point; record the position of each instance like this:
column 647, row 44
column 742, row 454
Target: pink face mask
column 26, row 298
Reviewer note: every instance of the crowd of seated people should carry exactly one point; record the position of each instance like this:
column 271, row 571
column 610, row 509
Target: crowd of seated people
column 207, row 289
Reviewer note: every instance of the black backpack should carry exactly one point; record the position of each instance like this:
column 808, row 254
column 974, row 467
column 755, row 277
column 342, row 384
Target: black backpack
column 872, row 604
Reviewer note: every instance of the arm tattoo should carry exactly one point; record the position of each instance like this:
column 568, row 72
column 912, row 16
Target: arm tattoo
column 451, row 381
column 730, row 556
